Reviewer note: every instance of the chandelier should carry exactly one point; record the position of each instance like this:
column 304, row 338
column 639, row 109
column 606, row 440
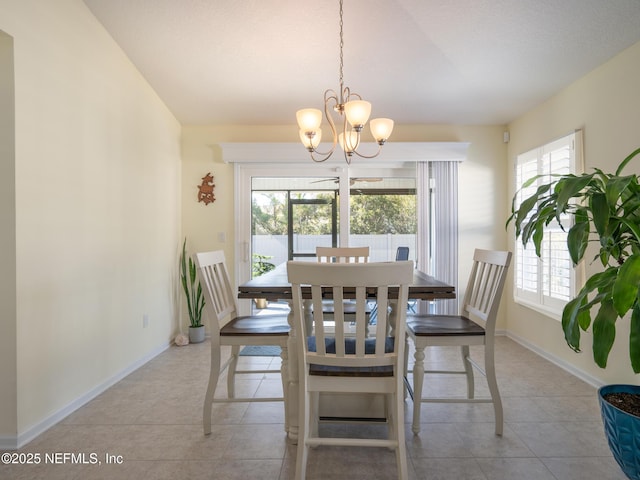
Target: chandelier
column 353, row 113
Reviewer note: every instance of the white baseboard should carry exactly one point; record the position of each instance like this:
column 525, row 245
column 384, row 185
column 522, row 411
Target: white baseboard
column 15, row 442
column 576, row 372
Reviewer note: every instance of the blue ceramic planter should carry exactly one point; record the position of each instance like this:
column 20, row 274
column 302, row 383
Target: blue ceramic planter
column 622, row 430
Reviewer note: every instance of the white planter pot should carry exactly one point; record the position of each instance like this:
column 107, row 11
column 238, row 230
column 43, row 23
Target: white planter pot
column 196, row 334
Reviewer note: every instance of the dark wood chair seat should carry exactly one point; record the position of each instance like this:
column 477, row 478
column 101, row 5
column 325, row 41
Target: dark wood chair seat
column 256, row 325
column 442, row 325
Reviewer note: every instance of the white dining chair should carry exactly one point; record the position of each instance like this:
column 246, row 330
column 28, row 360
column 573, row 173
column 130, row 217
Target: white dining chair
column 475, row 325
column 335, row 362
column 229, row 329
column 342, row 255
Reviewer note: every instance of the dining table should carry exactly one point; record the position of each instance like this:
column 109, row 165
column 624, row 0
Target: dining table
column 275, row 286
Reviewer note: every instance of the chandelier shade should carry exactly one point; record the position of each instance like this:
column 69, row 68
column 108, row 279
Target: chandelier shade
column 311, row 142
column 352, row 141
column 354, row 113
column 381, row 129
column 309, row 119
column 357, row 113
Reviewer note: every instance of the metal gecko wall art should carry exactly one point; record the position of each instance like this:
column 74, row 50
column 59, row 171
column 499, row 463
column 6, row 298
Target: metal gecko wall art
column 205, row 190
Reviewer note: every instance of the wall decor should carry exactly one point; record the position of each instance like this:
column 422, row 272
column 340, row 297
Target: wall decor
column 205, row 190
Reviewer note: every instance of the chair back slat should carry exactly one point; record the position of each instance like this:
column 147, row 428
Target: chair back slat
column 220, row 302
column 357, row 282
column 318, row 318
column 342, row 254
column 361, row 322
column 486, row 282
column 382, row 317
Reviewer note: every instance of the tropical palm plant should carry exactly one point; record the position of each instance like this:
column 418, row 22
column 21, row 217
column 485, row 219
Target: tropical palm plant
column 605, row 208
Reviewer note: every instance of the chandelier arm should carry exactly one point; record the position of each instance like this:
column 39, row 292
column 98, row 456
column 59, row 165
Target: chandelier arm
column 328, row 96
column 325, row 154
column 349, row 95
column 320, row 160
column 348, row 130
column 347, row 149
column 369, row 156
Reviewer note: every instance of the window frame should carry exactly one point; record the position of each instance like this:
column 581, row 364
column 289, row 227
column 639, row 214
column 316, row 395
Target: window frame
column 538, row 297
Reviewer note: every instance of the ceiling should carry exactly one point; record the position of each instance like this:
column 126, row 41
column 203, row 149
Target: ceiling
column 255, row 62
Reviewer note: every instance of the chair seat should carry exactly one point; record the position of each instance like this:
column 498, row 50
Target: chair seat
column 252, row 325
column 442, row 325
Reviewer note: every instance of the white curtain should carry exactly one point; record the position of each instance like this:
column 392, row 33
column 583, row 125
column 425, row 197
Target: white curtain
column 437, row 210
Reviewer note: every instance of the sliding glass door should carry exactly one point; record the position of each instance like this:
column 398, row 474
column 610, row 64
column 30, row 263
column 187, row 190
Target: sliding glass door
column 290, row 212
column 290, row 217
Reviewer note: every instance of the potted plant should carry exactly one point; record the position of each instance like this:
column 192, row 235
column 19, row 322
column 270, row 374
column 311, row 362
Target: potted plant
column 259, row 267
column 195, row 299
column 604, row 208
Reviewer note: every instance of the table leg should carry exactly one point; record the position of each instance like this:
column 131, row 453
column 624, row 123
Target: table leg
column 292, row 385
column 284, row 375
column 393, row 312
column 418, row 379
column 293, row 396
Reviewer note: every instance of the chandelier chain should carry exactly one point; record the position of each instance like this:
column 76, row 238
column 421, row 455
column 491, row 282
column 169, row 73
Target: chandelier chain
column 341, row 47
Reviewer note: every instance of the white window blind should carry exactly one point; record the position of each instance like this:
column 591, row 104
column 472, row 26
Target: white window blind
column 437, row 211
column 547, row 283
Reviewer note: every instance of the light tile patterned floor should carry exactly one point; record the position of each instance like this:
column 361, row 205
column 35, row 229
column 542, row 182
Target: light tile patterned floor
column 152, row 419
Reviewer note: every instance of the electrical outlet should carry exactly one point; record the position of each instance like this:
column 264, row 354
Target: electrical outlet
column 145, row 320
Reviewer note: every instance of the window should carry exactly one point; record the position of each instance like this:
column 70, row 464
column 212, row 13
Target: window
column 547, row 283
column 290, row 216
column 383, row 216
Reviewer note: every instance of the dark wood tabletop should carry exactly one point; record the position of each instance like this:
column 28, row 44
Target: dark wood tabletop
column 274, row 285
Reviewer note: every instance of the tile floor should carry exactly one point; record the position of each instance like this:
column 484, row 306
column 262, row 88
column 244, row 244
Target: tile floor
column 151, row 420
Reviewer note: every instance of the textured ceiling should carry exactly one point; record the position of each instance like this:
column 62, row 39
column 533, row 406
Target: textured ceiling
column 417, row 61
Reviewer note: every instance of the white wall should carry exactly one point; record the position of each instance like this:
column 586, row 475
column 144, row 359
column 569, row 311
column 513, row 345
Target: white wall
column 97, row 167
column 8, row 359
column 606, row 104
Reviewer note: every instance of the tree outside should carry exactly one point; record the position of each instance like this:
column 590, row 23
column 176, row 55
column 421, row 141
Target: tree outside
column 381, row 214
column 269, row 213
column 370, row 214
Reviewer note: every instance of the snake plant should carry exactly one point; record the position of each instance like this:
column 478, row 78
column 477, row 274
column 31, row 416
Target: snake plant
column 192, row 288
